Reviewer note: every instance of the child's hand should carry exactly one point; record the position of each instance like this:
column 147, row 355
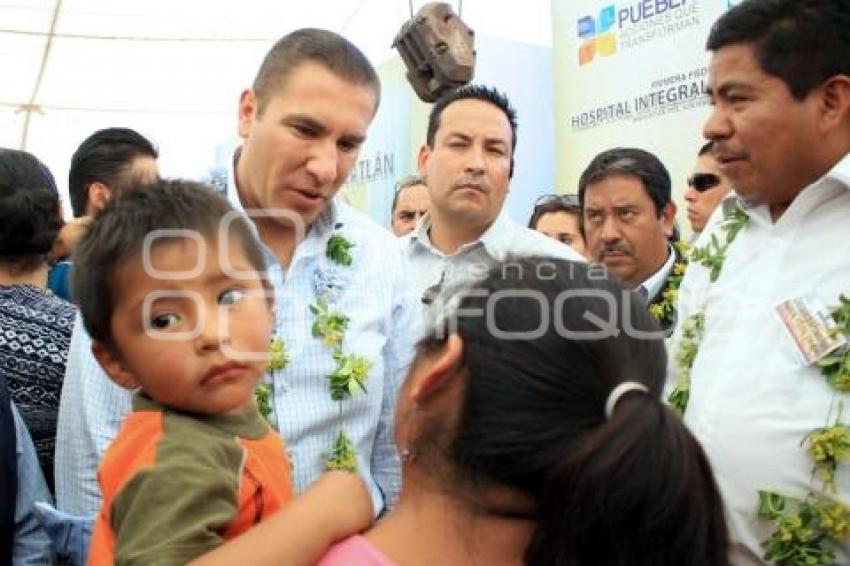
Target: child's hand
column 344, row 502
column 336, row 506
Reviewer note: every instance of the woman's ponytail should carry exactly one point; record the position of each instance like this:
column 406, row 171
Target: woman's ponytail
column 635, row 490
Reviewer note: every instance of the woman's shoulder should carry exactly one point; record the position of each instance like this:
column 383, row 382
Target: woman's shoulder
column 354, row 551
column 36, row 307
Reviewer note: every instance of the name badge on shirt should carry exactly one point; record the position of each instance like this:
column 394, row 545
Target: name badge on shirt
column 811, row 326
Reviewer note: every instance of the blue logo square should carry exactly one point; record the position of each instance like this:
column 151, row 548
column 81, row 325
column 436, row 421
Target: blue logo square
column 586, row 27
column 606, row 18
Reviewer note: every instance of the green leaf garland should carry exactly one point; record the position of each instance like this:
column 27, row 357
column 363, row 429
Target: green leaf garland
column 338, row 250
column 664, row 310
column 278, row 359
column 330, row 326
column 263, row 394
column 692, row 332
column 343, row 454
column 836, row 367
column 804, row 528
column 349, row 377
column 713, row 254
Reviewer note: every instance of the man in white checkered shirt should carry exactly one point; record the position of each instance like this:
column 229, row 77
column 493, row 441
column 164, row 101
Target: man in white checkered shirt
column 302, row 123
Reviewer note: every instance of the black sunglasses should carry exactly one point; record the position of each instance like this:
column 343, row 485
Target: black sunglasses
column 701, row 182
column 566, row 200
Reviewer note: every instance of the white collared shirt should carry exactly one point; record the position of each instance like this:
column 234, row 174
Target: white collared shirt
column 655, row 282
column 472, row 261
column 753, row 399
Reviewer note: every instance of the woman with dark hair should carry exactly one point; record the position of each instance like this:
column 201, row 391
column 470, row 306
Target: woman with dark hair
column 559, row 217
column 532, row 432
column 36, row 324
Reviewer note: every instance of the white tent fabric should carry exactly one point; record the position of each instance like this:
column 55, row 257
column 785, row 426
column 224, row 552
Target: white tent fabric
column 173, row 69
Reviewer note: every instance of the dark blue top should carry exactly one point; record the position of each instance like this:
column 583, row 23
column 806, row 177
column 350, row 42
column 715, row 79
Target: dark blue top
column 59, row 279
column 35, row 332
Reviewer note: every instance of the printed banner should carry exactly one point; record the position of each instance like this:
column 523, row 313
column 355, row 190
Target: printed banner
column 631, row 73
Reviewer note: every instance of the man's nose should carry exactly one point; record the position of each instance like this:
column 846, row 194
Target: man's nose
column 717, row 126
column 474, row 160
column 323, row 163
column 610, row 229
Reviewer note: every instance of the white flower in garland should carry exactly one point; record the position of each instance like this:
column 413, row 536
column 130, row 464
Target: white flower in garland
column 329, row 282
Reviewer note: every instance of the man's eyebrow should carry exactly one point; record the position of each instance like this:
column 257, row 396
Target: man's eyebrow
column 354, row 139
column 459, row 135
column 319, row 128
column 305, row 120
column 723, row 90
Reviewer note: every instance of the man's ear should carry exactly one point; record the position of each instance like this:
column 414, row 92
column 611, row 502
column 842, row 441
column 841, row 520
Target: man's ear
column 422, row 159
column 441, row 367
column 247, row 112
column 113, row 366
column 98, row 195
column 835, row 103
column 668, row 218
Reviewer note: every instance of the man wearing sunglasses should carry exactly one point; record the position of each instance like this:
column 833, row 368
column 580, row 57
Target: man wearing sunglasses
column 706, row 188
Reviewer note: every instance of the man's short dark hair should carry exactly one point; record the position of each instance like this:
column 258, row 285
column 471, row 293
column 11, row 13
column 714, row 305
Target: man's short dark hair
column 631, row 162
column 104, row 157
column 116, row 238
column 409, row 181
column 705, row 149
column 801, row 42
column 311, row 45
column 473, row 92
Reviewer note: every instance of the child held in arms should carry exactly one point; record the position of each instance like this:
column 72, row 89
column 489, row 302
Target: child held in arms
column 171, row 284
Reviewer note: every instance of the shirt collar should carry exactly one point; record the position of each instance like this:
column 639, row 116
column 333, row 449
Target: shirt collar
column 495, row 239
column 655, row 282
column 841, row 172
column 838, row 176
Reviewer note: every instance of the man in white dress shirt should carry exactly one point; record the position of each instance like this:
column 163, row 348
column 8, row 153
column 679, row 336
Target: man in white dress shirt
column 467, row 161
column 628, row 221
column 780, row 87
column 302, row 123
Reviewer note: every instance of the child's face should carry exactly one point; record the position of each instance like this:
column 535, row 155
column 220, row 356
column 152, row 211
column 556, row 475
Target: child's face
column 188, row 329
